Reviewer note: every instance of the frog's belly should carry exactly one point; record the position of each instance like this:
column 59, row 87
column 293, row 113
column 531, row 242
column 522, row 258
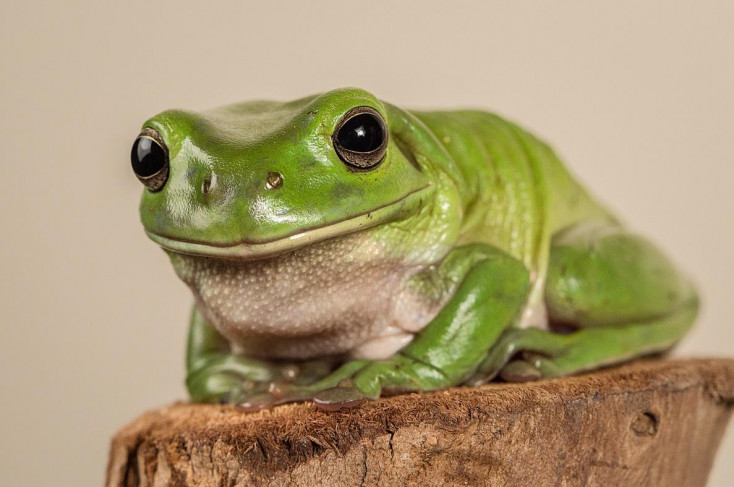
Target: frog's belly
column 306, row 304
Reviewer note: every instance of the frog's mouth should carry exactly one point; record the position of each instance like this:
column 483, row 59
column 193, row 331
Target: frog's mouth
column 247, row 249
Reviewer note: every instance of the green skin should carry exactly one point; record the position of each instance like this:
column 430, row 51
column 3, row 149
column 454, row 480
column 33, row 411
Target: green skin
column 483, row 214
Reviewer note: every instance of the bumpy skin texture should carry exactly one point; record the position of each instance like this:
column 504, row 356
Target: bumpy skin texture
column 467, row 252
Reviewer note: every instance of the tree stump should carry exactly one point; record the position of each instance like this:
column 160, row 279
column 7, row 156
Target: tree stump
column 653, row 422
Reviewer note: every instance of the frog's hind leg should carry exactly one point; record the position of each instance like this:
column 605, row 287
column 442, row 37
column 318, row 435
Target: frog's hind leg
column 611, row 296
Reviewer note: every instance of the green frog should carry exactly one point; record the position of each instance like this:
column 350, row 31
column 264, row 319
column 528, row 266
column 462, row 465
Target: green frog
column 339, row 248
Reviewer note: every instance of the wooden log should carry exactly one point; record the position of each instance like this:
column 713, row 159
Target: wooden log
column 655, row 422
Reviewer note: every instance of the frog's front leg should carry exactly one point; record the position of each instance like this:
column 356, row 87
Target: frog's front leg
column 491, row 291
column 216, row 374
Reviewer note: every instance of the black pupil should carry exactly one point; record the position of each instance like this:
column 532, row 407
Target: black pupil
column 361, row 133
column 147, row 157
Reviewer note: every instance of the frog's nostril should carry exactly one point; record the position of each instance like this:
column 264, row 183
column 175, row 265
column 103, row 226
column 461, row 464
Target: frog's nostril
column 208, row 184
column 274, row 180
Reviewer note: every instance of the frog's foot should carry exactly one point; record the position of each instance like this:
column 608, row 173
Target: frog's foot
column 225, row 377
column 522, row 355
column 279, row 392
column 275, row 393
column 231, row 378
column 355, row 382
column 343, row 395
column 531, row 367
column 399, row 373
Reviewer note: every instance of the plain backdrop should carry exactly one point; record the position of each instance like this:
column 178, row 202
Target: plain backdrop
column 637, row 97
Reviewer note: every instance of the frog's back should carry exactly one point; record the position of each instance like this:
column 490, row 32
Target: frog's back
column 516, row 192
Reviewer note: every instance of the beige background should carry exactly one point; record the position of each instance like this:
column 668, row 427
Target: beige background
column 638, row 97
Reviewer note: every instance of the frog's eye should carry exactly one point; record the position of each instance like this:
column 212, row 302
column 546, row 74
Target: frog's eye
column 150, row 159
column 360, row 138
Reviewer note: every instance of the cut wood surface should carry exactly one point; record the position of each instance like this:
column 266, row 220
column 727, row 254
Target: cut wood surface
column 653, row 422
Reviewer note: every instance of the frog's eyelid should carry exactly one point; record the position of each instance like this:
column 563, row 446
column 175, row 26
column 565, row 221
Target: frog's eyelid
column 154, row 134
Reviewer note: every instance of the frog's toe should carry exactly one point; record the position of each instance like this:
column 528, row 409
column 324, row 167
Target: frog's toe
column 338, row 397
column 276, row 393
column 257, row 402
column 532, row 367
column 520, row 371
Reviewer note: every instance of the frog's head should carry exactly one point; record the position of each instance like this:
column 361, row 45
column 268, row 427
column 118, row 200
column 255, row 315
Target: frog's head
column 261, row 178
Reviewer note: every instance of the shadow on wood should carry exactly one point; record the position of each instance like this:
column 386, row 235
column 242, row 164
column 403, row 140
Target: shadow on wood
column 656, row 422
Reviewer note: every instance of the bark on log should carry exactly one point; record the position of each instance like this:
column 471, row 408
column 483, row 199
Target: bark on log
column 656, row 422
